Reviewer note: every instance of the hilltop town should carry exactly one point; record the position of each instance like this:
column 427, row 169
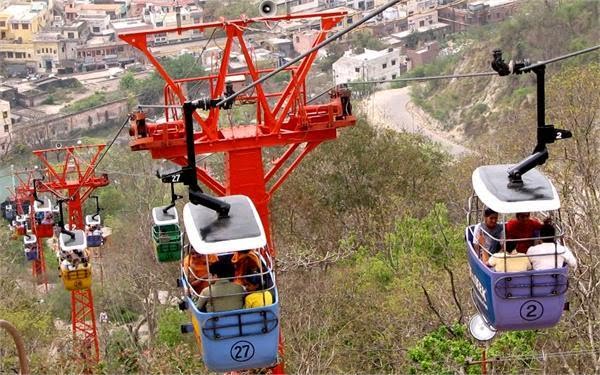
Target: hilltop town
column 53, row 53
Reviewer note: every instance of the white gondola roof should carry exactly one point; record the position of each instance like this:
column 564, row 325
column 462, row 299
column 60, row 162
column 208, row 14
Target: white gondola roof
column 45, row 207
column 78, row 243
column 490, row 183
column 162, row 218
column 29, row 239
column 92, row 219
column 208, row 234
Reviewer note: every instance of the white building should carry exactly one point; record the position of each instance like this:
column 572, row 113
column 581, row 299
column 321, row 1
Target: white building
column 5, row 124
column 367, row 66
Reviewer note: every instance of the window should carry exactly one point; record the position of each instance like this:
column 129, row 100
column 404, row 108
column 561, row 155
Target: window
column 15, row 26
column 4, row 114
column 19, row 55
column 393, row 62
column 421, row 23
column 394, row 76
column 357, row 70
column 71, row 35
column 9, row 55
column 29, row 55
column 2, row 23
column 6, row 128
column 183, row 18
column 350, row 21
column 95, row 29
column 25, row 26
column 383, row 66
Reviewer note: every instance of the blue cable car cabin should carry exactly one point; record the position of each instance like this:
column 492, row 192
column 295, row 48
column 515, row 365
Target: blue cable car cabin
column 166, row 234
column 520, row 300
column 31, row 247
column 241, row 338
column 93, row 224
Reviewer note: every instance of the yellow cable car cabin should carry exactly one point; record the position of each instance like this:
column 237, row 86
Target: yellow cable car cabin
column 75, row 268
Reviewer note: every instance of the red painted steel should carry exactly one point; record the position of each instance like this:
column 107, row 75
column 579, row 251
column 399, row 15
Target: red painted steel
column 75, row 178
column 284, row 119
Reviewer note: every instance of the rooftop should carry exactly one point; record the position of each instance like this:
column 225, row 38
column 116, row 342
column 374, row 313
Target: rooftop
column 369, row 54
column 23, row 12
column 435, row 26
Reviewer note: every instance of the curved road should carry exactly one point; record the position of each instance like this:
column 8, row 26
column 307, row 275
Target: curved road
column 393, row 109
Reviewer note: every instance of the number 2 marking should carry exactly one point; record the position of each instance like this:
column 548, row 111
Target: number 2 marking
column 532, row 310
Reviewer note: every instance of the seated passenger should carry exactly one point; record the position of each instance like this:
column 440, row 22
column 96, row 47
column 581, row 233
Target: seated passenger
column 48, row 218
column 510, row 260
column 196, row 269
column 222, row 294
column 550, row 254
column 486, row 233
column 260, row 297
column 522, row 226
column 246, row 263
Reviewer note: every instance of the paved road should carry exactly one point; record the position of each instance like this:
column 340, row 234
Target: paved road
column 393, row 109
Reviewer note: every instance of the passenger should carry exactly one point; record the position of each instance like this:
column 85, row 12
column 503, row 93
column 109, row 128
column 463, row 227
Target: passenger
column 260, row 297
column 510, row 260
column 550, row 254
column 222, row 294
column 48, row 218
column 246, row 263
column 196, row 270
column 522, row 226
column 486, row 234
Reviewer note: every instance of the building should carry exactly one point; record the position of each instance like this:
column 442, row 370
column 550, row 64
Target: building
column 159, row 16
column 5, row 125
column 367, row 66
column 303, row 40
column 463, row 15
column 74, row 10
column 424, row 55
column 50, row 51
column 19, row 23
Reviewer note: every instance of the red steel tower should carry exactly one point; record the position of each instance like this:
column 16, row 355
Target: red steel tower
column 72, row 177
column 284, row 121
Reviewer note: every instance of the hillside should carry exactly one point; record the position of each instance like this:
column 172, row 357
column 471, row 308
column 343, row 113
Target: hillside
column 539, row 31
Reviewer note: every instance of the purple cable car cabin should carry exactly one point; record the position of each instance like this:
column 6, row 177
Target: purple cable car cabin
column 515, row 300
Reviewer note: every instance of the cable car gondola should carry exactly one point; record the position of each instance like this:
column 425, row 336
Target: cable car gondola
column 166, row 234
column 75, row 269
column 243, row 338
column 21, row 224
column 93, row 224
column 514, row 300
column 44, row 218
column 31, row 247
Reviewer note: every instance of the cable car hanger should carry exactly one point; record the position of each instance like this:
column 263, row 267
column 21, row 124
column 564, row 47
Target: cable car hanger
column 187, row 174
column 546, row 133
column 35, row 196
column 98, row 209
column 61, row 220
